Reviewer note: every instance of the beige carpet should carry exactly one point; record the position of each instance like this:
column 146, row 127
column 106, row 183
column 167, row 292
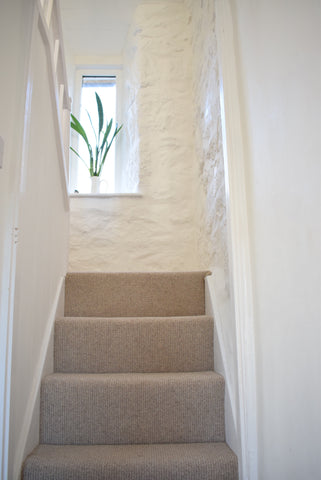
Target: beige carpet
column 134, row 344
column 134, row 395
column 134, row 294
column 194, row 461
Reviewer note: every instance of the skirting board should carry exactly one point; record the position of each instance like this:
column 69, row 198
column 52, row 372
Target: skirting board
column 218, row 306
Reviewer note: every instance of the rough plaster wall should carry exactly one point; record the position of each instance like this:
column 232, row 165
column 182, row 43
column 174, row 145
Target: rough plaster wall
column 132, row 84
column 212, row 239
column 156, row 231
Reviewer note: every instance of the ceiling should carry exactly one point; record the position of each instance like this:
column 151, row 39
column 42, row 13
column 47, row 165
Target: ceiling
column 97, row 27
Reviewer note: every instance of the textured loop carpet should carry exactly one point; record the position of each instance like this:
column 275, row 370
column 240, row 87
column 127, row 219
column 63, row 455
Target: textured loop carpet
column 135, row 294
column 134, row 395
column 123, row 345
column 194, row 461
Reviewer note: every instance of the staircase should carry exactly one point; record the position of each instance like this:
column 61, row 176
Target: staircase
column 134, row 395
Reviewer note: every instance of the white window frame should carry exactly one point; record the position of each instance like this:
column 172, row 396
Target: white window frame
column 99, row 71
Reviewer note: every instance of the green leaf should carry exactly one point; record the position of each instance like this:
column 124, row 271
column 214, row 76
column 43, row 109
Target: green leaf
column 76, row 125
column 73, row 150
column 117, row 130
column 91, row 123
column 108, row 128
column 100, row 113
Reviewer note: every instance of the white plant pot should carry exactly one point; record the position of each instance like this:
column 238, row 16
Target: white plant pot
column 95, row 184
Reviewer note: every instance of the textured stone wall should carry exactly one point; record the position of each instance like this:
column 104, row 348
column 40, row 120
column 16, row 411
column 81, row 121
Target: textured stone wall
column 157, row 231
column 212, row 241
column 131, row 86
column 173, row 144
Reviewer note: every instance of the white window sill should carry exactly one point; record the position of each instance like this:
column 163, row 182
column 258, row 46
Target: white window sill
column 104, row 195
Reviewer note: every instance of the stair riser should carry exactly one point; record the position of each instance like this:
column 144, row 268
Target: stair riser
column 119, row 409
column 134, row 294
column 179, row 344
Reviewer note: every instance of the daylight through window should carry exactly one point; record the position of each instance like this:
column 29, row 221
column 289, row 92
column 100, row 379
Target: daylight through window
column 105, row 86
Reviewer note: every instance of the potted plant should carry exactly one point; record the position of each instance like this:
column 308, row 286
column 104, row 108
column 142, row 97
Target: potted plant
column 99, row 149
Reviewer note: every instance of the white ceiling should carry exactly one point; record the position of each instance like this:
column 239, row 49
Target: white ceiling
column 97, row 27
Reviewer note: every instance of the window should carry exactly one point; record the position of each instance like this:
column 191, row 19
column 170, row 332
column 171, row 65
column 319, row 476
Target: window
column 106, row 84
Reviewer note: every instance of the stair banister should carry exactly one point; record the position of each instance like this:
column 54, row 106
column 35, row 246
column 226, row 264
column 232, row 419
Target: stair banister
column 50, row 23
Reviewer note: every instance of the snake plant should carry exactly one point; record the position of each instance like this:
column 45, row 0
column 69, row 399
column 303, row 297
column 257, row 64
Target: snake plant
column 98, row 151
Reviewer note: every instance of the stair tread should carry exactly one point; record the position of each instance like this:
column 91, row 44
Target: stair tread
column 194, row 461
column 133, row 344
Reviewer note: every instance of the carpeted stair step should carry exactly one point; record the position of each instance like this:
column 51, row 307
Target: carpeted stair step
column 134, row 395
column 121, row 345
column 132, row 408
column 134, row 294
column 200, row 461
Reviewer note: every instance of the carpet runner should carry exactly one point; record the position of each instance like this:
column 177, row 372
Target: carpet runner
column 134, row 395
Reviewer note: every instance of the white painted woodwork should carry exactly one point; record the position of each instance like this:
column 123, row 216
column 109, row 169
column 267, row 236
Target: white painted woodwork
column 34, row 217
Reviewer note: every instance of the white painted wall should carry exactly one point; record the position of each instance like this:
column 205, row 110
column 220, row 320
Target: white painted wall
column 278, row 45
column 34, row 221
column 15, row 27
column 156, row 231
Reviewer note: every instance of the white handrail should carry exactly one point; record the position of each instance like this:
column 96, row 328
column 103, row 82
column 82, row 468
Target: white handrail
column 51, row 29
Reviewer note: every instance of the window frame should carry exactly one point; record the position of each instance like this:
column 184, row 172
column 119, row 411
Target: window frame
column 99, row 71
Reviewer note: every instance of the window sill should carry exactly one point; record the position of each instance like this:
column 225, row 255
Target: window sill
column 105, row 195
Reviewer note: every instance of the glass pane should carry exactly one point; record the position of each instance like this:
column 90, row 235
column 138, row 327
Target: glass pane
column 106, row 89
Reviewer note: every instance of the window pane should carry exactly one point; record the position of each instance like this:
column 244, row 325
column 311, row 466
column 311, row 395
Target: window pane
column 106, row 89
